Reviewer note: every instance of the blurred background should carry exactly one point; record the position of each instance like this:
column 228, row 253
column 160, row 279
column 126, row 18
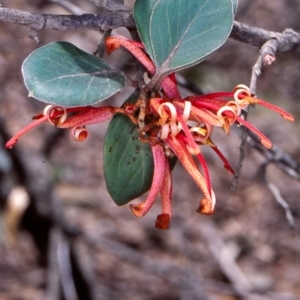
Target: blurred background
column 63, row 238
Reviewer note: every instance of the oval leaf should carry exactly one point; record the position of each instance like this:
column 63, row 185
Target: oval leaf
column 62, row 74
column 181, row 33
column 128, row 162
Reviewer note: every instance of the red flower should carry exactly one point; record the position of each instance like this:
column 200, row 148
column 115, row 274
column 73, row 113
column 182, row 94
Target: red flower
column 176, row 127
column 184, row 140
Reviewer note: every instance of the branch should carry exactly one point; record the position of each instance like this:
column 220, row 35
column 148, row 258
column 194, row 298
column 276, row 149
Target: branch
column 37, row 22
column 288, row 40
column 277, row 195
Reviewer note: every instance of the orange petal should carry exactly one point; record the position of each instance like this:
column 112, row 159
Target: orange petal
column 180, row 150
column 207, row 206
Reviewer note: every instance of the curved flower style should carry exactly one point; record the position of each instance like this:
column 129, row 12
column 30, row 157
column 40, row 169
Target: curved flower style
column 174, row 126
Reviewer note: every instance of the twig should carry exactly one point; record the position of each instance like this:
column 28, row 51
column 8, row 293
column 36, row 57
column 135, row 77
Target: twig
column 53, row 291
column 276, row 193
column 226, row 259
column 85, row 266
column 242, row 149
column 37, row 22
column 65, row 269
column 256, row 71
column 288, row 40
column 280, row 158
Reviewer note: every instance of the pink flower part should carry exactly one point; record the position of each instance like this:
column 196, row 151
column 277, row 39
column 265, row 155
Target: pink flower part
column 137, row 49
column 159, row 158
column 15, row 138
column 277, row 109
column 227, row 166
column 114, row 42
column 91, row 116
column 263, row 139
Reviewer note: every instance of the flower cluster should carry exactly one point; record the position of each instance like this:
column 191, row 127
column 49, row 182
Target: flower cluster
column 173, row 126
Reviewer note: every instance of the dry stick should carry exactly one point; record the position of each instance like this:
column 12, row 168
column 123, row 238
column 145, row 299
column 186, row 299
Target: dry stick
column 266, row 57
column 37, row 22
column 288, row 40
column 226, row 259
column 86, row 266
column 65, row 269
column 277, row 195
column 283, row 160
column 53, row 290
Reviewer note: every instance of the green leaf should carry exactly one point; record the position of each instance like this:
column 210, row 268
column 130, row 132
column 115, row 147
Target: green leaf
column 62, row 74
column 128, row 162
column 181, row 33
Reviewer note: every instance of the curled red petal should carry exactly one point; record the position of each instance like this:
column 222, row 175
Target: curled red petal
column 159, row 158
column 219, row 95
column 263, row 139
column 33, row 124
column 137, row 49
column 227, row 166
column 277, row 109
column 202, row 114
column 79, row 134
column 114, row 42
column 91, row 116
